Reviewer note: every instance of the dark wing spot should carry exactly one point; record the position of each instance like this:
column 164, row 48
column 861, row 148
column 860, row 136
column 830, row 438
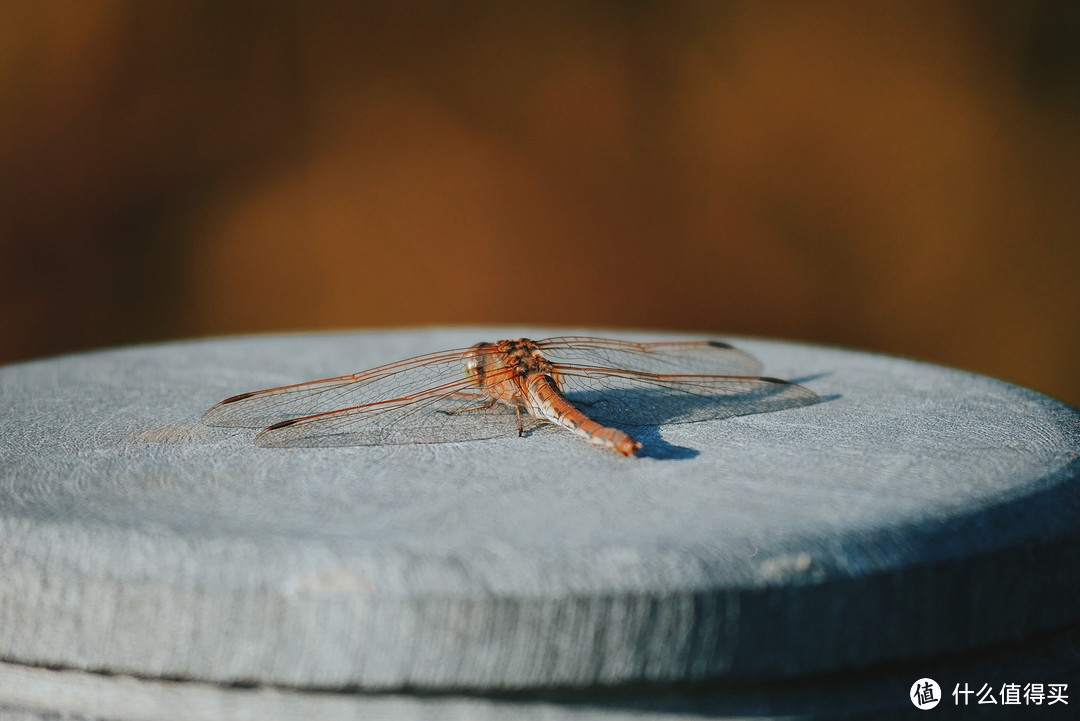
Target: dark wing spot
column 234, row 399
column 283, row 424
column 718, row 344
column 767, row 379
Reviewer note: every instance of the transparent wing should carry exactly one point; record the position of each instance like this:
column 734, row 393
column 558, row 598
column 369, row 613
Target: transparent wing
column 260, row 409
column 449, row 413
column 627, row 383
column 686, row 358
column 627, row 398
column 426, row 399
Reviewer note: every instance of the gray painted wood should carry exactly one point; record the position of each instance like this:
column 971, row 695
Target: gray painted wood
column 916, row 510
column 41, row 694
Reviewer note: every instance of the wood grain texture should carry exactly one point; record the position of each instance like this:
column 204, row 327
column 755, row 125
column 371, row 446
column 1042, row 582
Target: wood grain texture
column 40, row 694
column 917, row 510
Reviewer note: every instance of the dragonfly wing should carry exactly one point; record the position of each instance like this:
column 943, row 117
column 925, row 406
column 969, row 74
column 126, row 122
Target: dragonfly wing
column 406, row 378
column 621, row 397
column 687, row 357
column 440, row 417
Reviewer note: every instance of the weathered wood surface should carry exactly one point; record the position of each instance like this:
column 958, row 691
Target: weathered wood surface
column 40, row 694
column 916, row 510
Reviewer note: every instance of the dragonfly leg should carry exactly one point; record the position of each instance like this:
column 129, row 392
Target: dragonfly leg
column 521, row 428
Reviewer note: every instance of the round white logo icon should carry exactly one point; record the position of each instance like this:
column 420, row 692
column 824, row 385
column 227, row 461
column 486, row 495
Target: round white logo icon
column 925, row 694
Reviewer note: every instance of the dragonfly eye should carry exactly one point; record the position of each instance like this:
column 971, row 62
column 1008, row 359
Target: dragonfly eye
column 474, row 369
column 478, row 363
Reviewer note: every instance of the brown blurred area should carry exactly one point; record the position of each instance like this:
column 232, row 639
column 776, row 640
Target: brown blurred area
column 896, row 176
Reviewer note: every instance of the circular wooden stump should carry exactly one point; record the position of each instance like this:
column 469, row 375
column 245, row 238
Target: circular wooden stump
column 918, row 520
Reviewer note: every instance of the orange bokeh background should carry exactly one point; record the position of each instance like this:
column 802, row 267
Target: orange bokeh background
column 901, row 177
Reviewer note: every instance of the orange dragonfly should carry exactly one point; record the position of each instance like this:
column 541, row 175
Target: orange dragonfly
column 586, row 385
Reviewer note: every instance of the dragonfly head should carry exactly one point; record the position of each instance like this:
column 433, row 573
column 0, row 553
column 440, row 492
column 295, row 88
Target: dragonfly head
column 477, row 363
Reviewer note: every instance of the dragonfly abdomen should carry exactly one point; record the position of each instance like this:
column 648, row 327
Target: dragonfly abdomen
column 547, row 402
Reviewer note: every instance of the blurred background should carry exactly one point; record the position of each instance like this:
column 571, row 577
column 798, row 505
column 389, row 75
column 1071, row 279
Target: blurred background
column 896, row 176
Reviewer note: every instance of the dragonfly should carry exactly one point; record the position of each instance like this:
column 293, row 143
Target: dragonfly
column 594, row 387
